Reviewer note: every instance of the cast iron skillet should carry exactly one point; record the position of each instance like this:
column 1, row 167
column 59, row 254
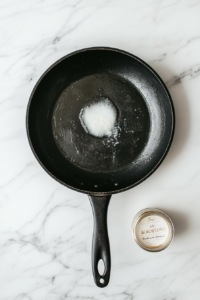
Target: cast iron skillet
column 104, row 166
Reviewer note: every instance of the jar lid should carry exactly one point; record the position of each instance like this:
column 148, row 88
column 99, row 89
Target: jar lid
column 152, row 229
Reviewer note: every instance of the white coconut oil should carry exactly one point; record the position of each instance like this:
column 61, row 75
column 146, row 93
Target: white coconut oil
column 99, row 118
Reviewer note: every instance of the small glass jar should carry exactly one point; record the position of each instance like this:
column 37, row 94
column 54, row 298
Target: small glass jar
column 152, row 229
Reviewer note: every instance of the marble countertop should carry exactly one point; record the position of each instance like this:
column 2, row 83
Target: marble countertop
column 45, row 228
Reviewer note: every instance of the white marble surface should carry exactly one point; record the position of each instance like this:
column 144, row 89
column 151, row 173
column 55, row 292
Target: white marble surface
column 45, row 228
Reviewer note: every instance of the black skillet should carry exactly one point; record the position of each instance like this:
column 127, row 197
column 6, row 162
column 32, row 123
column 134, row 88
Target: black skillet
column 104, row 166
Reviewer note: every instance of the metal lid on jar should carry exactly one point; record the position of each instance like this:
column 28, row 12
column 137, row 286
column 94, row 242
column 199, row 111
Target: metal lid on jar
column 152, row 229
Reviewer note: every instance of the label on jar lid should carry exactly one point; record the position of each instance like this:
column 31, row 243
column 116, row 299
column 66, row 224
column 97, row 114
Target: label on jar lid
column 152, row 231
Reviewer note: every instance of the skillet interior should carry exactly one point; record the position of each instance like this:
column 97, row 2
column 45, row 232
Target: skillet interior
column 93, row 165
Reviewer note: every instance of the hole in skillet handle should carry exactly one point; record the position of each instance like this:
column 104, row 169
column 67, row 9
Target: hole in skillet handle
column 101, row 280
column 102, row 272
column 101, row 268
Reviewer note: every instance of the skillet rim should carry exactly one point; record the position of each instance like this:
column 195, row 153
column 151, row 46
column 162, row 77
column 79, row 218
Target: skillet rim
column 172, row 125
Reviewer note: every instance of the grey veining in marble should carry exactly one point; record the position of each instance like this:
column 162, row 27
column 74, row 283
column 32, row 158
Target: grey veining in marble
column 45, row 228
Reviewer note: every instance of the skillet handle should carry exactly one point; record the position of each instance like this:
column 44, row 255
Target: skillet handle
column 100, row 243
